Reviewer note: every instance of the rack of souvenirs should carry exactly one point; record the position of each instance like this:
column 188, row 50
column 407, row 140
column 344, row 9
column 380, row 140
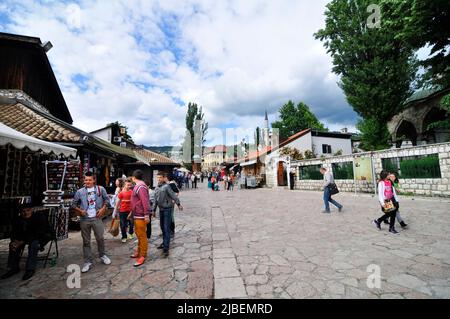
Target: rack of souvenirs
column 62, row 180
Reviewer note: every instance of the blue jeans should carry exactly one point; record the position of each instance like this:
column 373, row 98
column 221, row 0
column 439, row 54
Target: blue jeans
column 165, row 220
column 327, row 200
column 124, row 222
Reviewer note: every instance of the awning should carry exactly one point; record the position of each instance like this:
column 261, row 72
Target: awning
column 141, row 158
column 20, row 140
column 248, row 163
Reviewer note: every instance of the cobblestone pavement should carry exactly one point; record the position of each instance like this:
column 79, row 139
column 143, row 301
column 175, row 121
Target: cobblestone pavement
column 266, row 244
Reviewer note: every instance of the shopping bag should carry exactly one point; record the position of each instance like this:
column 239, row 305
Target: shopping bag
column 389, row 207
column 333, row 189
column 115, row 225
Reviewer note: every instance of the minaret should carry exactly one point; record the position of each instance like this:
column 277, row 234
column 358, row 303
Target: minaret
column 266, row 130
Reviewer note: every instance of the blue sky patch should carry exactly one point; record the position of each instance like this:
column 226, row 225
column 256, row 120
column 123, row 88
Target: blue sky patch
column 81, row 81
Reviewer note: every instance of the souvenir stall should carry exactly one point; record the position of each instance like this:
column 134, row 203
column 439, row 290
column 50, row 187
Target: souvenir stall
column 22, row 173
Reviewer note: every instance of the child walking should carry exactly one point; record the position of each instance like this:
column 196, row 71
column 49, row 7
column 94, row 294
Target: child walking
column 386, row 194
column 395, row 184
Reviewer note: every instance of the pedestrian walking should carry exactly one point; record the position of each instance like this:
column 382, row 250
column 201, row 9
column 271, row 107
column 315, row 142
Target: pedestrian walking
column 187, row 180
column 388, row 199
column 225, row 182
column 123, row 206
column 213, row 183
column 151, row 196
column 140, row 207
column 396, row 184
column 169, row 180
column 119, row 186
column 90, row 202
column 328, row 182
column 165, row 198
column 230, row 182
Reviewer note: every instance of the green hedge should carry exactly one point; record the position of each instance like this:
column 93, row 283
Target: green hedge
column 343, row 170
column 414, row 167
column 390, row 165
column 426, row 167
column 311, row 172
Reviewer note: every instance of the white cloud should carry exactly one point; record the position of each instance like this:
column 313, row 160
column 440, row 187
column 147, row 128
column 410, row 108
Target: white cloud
column 137, row 58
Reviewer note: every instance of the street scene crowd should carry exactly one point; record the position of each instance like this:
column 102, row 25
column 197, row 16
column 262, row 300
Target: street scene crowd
column 134, row 204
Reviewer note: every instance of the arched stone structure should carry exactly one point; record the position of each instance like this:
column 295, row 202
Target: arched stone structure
column 406, row 131
column 433, row 116
column 416, row 116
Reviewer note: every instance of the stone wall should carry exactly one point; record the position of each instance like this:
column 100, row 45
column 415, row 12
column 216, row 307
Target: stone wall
column 439, row 187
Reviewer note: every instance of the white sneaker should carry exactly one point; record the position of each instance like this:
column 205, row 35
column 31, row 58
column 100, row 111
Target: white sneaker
column 105, row 260
column 86, row 267
column 124, row 240
column 131, row 237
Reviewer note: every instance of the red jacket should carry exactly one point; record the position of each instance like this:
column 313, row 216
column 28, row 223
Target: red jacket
column 140, row 203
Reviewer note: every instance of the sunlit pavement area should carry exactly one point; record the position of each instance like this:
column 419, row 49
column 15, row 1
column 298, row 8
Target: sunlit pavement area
column 265, row 244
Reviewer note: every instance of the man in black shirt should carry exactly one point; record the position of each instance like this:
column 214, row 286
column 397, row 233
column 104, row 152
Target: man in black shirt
column 30, row 229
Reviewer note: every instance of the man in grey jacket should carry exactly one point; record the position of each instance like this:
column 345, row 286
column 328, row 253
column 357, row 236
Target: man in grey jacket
column 90, row 202
column 165, row 198
column 328, row 179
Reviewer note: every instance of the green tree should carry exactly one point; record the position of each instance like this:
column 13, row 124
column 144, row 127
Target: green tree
column 197, row 129
column 443, row 124
column 120, row 125
column 375, row 68
column 294, row 153
column 374, row 134
column 257, row 136
column 425, row 23
column 309, row 154
column 295, row 118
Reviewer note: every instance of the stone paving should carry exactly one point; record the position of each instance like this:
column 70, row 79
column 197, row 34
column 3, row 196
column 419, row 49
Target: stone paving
column 266, row 244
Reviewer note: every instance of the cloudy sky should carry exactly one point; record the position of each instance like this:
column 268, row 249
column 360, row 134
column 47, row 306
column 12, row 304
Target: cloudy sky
column 140, row 62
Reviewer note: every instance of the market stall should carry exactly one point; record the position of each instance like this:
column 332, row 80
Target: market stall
column 22, row 172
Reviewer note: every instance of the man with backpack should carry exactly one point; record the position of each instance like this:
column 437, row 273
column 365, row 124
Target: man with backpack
column 90, row 202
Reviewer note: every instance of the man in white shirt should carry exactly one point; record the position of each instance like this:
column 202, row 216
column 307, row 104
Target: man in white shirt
column 90, row 202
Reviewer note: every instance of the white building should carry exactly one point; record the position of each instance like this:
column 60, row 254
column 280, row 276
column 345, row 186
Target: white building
column 214, row 157
column 322, row 144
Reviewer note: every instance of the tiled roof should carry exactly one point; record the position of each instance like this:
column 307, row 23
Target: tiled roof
column 425, row 94
column 111, row 147
column 215, row 149
column 48, row 128
column 268, row 149
column 27, row 121
column 154, row 158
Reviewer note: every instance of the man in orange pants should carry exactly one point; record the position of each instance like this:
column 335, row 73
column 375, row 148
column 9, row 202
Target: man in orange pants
column 140, row 206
